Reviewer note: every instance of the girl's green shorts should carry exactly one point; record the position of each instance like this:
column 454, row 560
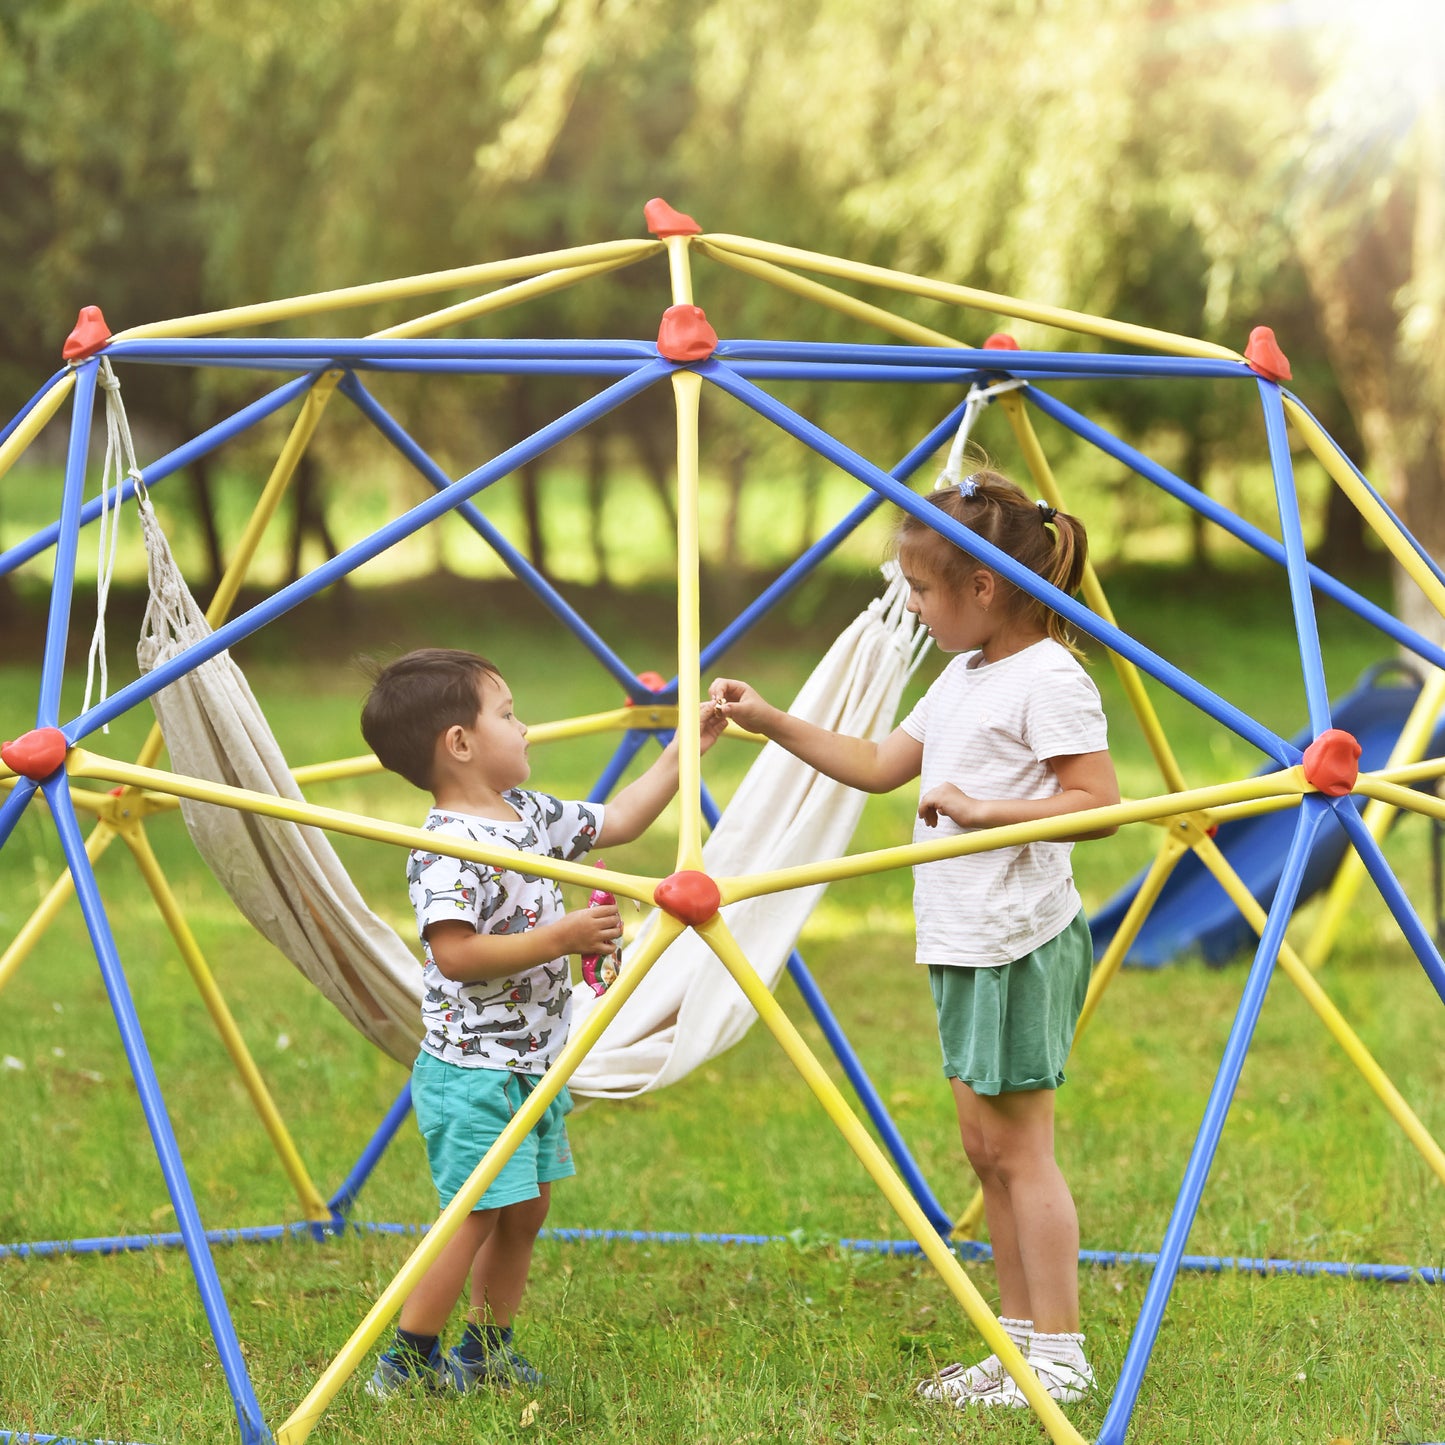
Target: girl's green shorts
column 460, row 1113
column 1010, row 1028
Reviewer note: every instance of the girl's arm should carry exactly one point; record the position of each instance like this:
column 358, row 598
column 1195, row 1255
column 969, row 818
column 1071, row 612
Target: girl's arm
column 466, row 956
column 628, row 815
column 859, row 762
column 1086, row 780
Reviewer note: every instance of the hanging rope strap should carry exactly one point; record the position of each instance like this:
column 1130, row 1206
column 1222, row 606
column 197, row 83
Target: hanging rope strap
column 978, row 398
column 120, row 463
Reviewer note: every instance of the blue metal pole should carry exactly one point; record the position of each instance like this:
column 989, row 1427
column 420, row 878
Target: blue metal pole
column 361, row 1171
column 30, row 405
column 1313, row 811
column 824, row 546
column 152, row 1101
column 627, row 749
column 1418, row 936
column 516, row 563
column 1206, row 506
column 158, row 470
column 1086, row 621
column 62, row 585
column 14, row 806
column 1312, row 662
column 363, row 551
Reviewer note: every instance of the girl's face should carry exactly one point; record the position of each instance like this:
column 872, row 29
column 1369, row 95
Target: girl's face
column 957, row 617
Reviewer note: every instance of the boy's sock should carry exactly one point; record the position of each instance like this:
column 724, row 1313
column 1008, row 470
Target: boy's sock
column 479, row 1341
column 410, row 1344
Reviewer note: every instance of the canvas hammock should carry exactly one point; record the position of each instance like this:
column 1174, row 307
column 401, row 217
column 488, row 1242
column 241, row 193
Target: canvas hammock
column 288, row 882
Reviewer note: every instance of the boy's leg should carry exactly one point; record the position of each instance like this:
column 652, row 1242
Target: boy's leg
column 430, row 1304
column 502, row 1264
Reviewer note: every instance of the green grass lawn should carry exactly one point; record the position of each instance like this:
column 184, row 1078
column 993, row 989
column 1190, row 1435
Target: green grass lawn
column 798, row 1340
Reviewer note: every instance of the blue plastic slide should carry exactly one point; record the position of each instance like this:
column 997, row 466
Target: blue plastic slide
column 1193, row 915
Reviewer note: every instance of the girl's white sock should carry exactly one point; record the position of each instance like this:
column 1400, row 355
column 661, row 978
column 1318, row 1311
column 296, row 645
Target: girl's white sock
column 1060, row 1349
column 1019, row 1331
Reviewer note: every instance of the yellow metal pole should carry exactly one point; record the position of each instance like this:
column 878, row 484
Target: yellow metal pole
column 1123, row 331
column 826, row 296
column 721, row 941
column 403, row 288
column 1385, row 527
column 92, row 765
column 1129, row 675
column 1373, row 786
column 1287, row 782
column 303, row 1419
column 312, row 1204
column 13, row 447
column 687, row 388
column 1409, row 748
column 1329, row 1015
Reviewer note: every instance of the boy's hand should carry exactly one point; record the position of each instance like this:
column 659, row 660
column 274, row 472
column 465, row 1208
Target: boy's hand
column 736, row 701
column 591, row 930
column 711, row 726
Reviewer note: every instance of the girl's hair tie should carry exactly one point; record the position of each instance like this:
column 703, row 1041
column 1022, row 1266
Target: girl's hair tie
column 969, row 485
column 1046, row 513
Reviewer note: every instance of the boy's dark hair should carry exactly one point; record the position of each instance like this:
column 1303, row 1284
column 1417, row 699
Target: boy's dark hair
column 417, row 698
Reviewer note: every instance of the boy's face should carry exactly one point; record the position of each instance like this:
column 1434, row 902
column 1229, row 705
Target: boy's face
column 497, row 738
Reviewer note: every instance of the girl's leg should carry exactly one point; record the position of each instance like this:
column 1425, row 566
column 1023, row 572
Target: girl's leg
column 428, row 1306
column 1013, row 1286
column 502, row 1264
column 1017, row 1132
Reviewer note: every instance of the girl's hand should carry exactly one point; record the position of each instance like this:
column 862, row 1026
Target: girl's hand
column 736, row 701
column 954, row 804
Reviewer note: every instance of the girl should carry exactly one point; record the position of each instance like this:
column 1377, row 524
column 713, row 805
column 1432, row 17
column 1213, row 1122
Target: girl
column 1011, row 732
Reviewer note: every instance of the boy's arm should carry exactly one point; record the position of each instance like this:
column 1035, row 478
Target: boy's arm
column 466, row 956
column 635, row 807
column 859, row 762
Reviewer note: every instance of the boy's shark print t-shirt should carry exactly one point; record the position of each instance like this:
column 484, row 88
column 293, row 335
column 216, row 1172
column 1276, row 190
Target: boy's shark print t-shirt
column 517, row 1023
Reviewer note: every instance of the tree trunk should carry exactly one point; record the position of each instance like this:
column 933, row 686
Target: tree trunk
column 596, row 495
column 202, row 470
column 308, row 518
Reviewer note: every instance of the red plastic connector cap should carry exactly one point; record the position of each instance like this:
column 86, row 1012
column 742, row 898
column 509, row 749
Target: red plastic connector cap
column 685, row 335
column 37, row 754
column 1265, row 357
column 688, row 895
column 1332, row 762
column 1000, row 341
column 662, row 220
column 90, row 334
column 652, row 681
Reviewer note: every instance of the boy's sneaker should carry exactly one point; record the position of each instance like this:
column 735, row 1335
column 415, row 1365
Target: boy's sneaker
column 960, row 1384
column 500, row 1368
column 1068, row 1384
column 399, row 1371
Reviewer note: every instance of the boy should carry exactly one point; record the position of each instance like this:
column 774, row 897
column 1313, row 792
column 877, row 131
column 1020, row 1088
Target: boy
column 497, row 999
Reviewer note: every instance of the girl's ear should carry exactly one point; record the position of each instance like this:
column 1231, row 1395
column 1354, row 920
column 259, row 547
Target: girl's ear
column 981, row 587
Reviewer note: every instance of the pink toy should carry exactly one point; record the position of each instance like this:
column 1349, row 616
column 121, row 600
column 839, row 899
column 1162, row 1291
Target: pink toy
column 600, row 969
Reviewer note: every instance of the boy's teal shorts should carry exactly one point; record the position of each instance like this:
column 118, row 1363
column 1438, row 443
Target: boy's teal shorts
column 461, row 1112
column 1008, row 1029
